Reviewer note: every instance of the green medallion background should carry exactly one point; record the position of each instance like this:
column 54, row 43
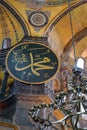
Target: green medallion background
column 31, row 63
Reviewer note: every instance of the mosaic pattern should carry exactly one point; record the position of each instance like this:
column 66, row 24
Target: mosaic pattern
column 38, row 19
column 38, row 4
column 34, row 4
column 12, row 27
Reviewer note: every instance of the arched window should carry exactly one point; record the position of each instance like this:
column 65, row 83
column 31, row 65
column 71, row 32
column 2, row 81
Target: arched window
column 6, row 43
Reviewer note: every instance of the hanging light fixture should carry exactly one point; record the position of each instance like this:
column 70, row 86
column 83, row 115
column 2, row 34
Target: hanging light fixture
column 80, row 63
column 72, row 105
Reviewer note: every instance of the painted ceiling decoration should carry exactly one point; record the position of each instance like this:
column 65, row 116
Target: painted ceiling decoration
column 13, row 28
column 15, row 13
column 64, row 36
column 40, row 4
column 34, row 4
column 63, row 14
column 38, row 19
column 6, row 30
column 48, row 16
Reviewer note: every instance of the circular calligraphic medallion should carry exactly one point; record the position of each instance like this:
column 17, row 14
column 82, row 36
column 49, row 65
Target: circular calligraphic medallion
column 38, row 19
column 31, row 63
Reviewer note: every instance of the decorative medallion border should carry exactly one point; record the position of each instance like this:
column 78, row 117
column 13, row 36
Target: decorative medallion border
column 38, row 19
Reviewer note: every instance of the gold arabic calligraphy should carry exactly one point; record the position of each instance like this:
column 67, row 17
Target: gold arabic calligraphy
column 38, row 64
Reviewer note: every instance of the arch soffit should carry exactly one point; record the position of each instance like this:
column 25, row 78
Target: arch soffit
column 16, row 15
column 59, row 17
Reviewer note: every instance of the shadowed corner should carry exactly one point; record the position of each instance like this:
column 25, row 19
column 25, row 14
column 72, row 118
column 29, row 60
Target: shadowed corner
column 8, row 107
